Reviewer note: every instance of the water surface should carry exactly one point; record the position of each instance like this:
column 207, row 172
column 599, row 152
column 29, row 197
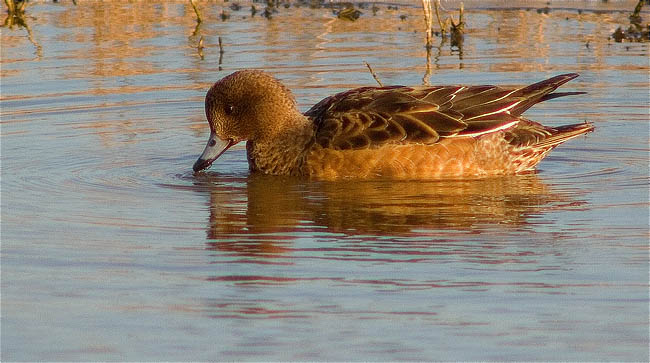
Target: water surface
column 112, row 249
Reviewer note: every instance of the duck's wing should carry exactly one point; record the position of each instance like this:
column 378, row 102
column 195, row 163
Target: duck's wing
column 372, row 116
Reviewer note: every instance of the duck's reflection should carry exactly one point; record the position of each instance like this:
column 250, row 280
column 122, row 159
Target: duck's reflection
column 261, row 214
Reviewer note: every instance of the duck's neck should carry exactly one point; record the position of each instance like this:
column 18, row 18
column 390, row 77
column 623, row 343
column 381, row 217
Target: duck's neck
column 282, row 153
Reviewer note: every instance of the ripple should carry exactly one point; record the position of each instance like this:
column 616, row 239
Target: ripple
column 598, row 167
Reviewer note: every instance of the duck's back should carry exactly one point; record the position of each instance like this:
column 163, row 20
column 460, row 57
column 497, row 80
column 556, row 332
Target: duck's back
column 432, row 132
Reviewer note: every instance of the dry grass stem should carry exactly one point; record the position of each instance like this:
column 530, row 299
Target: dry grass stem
column 443, row 28
column 374, row 75
column 458, row 27
column 449, row 24
column 11, row 7
column 426, row 7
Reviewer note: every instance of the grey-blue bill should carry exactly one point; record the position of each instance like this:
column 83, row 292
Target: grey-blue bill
column 215, row 147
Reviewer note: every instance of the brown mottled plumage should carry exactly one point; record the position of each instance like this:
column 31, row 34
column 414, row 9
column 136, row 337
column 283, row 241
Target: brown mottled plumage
column 420, row 132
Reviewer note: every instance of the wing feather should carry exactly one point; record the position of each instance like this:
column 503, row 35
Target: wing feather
column 374, row 116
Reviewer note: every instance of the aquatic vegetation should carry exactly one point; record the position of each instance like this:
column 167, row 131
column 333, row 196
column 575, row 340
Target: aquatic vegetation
column 16, row 16
column 426, row 8
column 636, row 32
column 271, row 8
column 349, row 13
column 312, row 4
column 16, row 8
column 456, row 29
column 449, row 26
column 15, row 13
column 268, row 12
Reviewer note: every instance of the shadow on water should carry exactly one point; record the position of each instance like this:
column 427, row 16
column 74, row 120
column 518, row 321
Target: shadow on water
column 260, row 214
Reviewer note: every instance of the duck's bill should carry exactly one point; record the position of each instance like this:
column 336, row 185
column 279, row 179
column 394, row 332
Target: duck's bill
column 213, row 150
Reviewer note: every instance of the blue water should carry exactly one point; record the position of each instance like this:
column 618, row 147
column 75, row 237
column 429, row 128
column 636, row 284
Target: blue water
column 112, row 249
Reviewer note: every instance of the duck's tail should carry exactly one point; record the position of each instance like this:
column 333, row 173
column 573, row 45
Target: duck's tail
column 532, row 141
column 531, row 135
column 561, row 134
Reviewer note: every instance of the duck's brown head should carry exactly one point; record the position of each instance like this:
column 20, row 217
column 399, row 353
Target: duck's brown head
column 246, row 105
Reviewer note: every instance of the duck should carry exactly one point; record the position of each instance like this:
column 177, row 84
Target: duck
column 401, row 132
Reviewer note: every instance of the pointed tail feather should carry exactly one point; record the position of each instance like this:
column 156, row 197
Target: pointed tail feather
column 549, row 85
column 541, row 91
column 553, row 95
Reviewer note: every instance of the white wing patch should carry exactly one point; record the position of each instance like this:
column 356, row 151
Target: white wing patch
column 479, row 133
column 501, row 110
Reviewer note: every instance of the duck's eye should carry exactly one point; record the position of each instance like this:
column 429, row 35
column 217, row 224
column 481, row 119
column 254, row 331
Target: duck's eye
column 228, row 109
column 212, row 142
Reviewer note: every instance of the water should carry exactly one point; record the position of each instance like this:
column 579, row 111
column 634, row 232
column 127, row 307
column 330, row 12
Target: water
column 112, row 249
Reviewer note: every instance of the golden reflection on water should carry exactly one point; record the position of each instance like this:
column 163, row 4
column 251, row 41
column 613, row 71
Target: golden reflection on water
column 118, row 37
column 115, row 41
column 272, row 209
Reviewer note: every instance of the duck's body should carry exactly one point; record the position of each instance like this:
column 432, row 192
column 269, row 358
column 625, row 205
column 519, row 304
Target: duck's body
column 398, row 132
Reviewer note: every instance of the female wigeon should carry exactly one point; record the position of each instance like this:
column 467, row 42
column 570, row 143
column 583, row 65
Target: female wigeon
column 420, row 132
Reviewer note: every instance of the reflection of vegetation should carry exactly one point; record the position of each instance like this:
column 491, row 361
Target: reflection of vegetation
column 455, row 30
column 438, row 55
column 198, row 13
column 200, row 48
column 268, row 12
column 636, row 32
column 271, row 8
column 199, row 20
column 224, row 15
column 197, row 29
column 16, row 16
column 220, row 52
column 16, row 8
